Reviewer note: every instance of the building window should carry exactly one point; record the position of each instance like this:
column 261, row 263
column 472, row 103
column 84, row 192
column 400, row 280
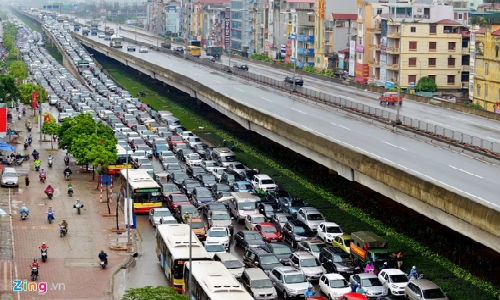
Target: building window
column 432, row 77
column 432, row 46
column 432, row 62
column 496, row 51
column 379, row 11
column 412, row 62
column 478, row 89
column 486, row 69
column 451, row 62
column 413, row 29
column 450, row 79
column 412, row 79
column 452, row 46
column 432, row 29
column 413, row 45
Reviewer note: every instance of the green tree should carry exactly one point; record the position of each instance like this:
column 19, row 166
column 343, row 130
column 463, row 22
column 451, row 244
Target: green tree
column 425, row 84
column 26, row 91
column 153, row 293
column 51, row 127
column 18, row 70
column 8, row 87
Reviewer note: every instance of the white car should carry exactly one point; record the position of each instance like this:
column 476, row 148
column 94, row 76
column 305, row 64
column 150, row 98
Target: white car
column 263, row 183
column 394, row 280
column 327, row 231
column 333, row 285
column 193, row 159
column 10, row 177
column 252, row 220
column 218, row 235
column 215, row 248
column 143, row 50
column 159, row 216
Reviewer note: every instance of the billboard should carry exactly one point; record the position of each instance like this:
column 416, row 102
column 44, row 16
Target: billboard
column 227, row 28
column 3, row 120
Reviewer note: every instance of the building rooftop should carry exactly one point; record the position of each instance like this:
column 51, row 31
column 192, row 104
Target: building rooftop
column 447, row 22
column 344, row 16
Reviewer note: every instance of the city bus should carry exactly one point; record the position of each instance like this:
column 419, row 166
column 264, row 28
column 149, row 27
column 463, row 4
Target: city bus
column 194, row 48
column 144, row 191
column 121, row 162
column 211, row 280
column 116, row 41
column 172, row 249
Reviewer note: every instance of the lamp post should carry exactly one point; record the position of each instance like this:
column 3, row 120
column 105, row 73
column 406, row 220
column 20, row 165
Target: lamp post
column 190, row 280
column 128, row 200
column 293, row 36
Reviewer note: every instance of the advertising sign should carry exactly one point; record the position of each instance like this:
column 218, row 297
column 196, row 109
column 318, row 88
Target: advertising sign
column 3, row 120
column 352, row 57
column 227, row 28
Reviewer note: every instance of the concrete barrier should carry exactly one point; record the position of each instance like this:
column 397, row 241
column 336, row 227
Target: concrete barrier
column 476, row 220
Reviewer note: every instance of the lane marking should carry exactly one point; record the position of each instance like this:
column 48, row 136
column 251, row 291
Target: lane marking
column 266, row 99
column 395, row 146
column 299, row 111
column 466, row 172
column 341, row 126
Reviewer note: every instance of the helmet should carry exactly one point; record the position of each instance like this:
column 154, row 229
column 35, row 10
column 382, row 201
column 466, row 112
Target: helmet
column 385, row 263
column 413, row 267
column 43, row 243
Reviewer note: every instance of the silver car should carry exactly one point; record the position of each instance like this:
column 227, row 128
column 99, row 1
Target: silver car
column 424, row 289
column 10, row 177
column 370, row 284
column 159, row 216
column 289, row 281
column 307, row 263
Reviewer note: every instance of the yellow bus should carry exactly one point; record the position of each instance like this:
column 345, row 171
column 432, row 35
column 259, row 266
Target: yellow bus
column 194, row 51
column 144, row 191
column 124, row 161
column 172, row 249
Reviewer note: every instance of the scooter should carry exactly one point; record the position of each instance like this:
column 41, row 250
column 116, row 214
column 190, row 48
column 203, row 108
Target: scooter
column 67, row 175
column 50, row 217
column 44, row 254
column 62, row 230
column 70, row 191
column 103, row 263
column 34, row 273
column 43, row 177
column 50, row 162
column 49, row 191
column 24, row 216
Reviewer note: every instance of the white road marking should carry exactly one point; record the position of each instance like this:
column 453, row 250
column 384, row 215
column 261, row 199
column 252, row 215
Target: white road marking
column 396, row 146
column 341, row 126
column 266, row 99
column 299, row 111
column 466, row 172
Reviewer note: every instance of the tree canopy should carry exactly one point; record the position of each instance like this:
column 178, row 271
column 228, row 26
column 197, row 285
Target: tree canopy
column 26, row 90
column 18, row 70
column 425, row 84
column 8, row 87
column 88, row 141
column 153, row 293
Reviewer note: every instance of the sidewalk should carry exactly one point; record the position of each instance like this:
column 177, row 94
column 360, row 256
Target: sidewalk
column 72, row 270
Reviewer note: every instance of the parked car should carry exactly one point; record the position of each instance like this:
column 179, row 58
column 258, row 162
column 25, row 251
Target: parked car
column 159, row 216
column 311, row 217
column 394, row 280
column 281, row 250
column 143, row 50
column 295, row 231
column 308, row 264
column 246, row 239
column 313, row 247
column 258, row 284
column 218, row 235
column 424, row 289
column 242, row 186
column 334, row 260
column 343, row 242
column 263, row 183
column 10, row 177
column 289, row 281
column 333, row 285
column 297, row 80
column 269, row 232
column 259, row 258
column 201, row 195
column 327, row 231
column 240, row 66
column 370, row 284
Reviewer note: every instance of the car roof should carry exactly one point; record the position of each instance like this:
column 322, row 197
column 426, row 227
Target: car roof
column 329, row 224
column 393, row 272
column 288, row 269
column 425, row 284
column 366, row 275
column 226, row 256
column 303, row 254
column 331, row 276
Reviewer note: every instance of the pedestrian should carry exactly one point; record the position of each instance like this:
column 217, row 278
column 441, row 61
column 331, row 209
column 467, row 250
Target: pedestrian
column 354, row 286
column 399, row 259
column 27, row 180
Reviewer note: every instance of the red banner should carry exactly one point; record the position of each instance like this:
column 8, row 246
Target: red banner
column 46, row 118
column 33, row 98
column 3, row 120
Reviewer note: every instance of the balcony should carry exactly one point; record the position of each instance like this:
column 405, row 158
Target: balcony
column 375, row 29
column 466, row 50
column 392, row 50
column 306, row 38
column 393, row 34
column 374, row 64
column 465, row 85
column 392, row 67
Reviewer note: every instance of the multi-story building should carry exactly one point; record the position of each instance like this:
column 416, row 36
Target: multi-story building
column 155, row 16
column 172, row 19
column 241, row 25
column 462, row 9
column 213, row 21
column 485, row 89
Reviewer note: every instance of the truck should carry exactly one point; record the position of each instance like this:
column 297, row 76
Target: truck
column 76, row 27
column 108, row 31
column 214, row 51
column 85, row 31
column 166, row 44
column 367, row 246
column 93, row 30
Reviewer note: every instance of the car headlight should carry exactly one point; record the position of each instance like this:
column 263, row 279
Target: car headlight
column 394, row 286
column 290, row 291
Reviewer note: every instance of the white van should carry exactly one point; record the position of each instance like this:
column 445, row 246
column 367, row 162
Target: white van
column 223, row 156
column 243, row 204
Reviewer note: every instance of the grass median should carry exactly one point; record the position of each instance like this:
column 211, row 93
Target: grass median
column 456, row 281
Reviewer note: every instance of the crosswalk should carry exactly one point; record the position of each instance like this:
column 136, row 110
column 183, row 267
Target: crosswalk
column 6, row 275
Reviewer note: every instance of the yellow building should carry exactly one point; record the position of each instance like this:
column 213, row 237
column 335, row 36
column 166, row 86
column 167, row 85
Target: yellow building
column 487, row 68
column 439, row 50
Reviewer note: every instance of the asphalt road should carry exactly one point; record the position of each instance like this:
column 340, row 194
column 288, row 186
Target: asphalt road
column 465, row 123
column 456, row 172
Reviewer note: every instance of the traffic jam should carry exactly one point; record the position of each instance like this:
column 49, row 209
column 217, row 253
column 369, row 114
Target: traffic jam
column 273, row 244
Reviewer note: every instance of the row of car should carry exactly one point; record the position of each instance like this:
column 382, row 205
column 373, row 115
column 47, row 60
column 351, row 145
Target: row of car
column 289, row 241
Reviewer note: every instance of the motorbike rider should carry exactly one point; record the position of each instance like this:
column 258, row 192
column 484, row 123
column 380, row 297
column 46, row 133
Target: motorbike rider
column 24, row 210
column 27, row 180
column 50, row 159
column 8, row 160
column 66, row 159
column 35, row 264
column 43, row 173
column 44, row 246
column 309, row 292
column 35, row 154
column 65, row 224
column 413, row 273
column 78, row 204
column 30, row 140
column 24, row 111
column 50, row 213
column 70, row 188
column 103, row 256
column 67, row 170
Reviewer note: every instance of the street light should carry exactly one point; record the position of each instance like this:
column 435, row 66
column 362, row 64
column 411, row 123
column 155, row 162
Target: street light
column 293, row 35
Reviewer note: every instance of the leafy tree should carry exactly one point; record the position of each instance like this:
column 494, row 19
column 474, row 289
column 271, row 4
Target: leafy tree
column 51, row 127
column 8, row 86
column 18, row 70
column 425, row 84
column 153, row 293
column 26, row 91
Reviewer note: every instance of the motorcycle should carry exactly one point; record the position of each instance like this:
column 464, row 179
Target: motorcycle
column 70, row 191
column 43, row 177
column 78, row 207
column 62, row 230
column 49, row 191
column 24, row 216
column 50, row 162
column 50, row 217
column 34, row 273
column 26, row 145
column 67, row 175
column 66, row 160
column 103, row 264
column 44, row 254
column 29, row 128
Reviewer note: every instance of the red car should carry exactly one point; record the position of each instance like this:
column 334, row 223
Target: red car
column 269, row 232
column 174, row 200
column 353, row 296
column 174, row 139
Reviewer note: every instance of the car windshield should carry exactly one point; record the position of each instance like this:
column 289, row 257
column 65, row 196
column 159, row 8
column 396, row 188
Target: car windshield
column 341, row 257
column 333, row 229
column 220, row 217
column 233, row 264
column 257, row 220
column 169, row 188
column 176, row 138
column 215, row 248
column 194, row 156
column 197, row 224
column 247, row 205
column 315, row 217
column 295, row 278
column 370, row 282
column 338, row 283
column 217, row 233
column 299, row 230
column 253, row 236
column 162, row 213
column 398, row 278
column 283, row 219
column 268, row 229
column 238, row 166
column 179, row 198
column 267, row 181
column 217, row 206
column 282, row 250
column 203, row 193
column 262, row 283
column 433, row 294
column 269, row 259
column 9, row 174
column 309, row 262
column 314, row 248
